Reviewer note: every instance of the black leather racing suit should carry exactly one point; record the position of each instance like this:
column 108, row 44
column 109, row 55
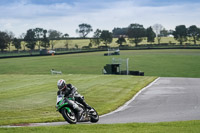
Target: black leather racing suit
column 71, row 91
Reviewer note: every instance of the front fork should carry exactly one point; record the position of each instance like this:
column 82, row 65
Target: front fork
column 68, row 109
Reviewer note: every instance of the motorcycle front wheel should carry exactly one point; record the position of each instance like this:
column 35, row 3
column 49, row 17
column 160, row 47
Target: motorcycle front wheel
column 70, row 117
column 94, row 117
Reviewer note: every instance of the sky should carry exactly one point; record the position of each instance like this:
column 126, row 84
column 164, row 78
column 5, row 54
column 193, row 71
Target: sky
column 65, row 15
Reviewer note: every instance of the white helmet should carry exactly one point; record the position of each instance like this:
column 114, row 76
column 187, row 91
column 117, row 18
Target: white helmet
column 61, row 84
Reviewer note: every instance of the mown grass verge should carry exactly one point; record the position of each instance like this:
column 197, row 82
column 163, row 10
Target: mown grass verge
column 162, row 63
column 32, row 98
column 165, row 127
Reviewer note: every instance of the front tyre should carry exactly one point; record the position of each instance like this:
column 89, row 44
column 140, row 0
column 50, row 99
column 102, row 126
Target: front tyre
column 70, row 117
column 94, row 117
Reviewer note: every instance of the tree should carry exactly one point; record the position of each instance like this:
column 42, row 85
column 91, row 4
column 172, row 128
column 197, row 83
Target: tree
column 180, row 33
column 53, row 34
column 22, row 38
column 150, row 35
column 159, row 37
column 17, row 43
column 198, row 37
column 117, row 32
column 136, row 32
column 45, row 40
column 90, row 44
column 157, row 28
column 121, row 40
column 96, row 37
column 76, row 46
column 194, row 32
column 164, row 32
column 39, row 35
column 10, row 38
column 30, row 39
column 68, row 42
column 3, row 40
column 65, row 35
column 106, row 37
column 84, row 30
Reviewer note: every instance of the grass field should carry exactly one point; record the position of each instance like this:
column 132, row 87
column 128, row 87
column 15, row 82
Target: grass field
column 28, row 90
column 164, row 63
column 167, row 127
column 32, row 98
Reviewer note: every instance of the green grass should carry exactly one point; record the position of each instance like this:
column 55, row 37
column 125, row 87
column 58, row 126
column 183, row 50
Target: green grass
column 32, row 98
column 163, row 63
column 28, row 91
column 166, row 127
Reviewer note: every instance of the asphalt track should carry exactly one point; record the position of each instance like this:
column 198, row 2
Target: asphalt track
column 166, row 99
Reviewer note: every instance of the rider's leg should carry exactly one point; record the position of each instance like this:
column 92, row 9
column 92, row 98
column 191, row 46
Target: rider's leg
column 74, row 106
column 81, row 100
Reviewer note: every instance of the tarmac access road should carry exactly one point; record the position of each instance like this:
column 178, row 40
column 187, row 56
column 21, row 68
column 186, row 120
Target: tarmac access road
column 166, row 99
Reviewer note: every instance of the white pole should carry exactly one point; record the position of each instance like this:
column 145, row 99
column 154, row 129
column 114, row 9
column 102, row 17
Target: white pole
column 127, row 71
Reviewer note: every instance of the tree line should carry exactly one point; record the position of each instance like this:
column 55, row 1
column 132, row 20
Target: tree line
column 134, row 32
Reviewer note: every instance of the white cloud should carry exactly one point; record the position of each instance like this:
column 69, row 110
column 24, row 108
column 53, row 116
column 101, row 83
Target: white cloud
column 66, row 18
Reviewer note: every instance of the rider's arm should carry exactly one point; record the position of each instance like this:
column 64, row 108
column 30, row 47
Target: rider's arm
column 59, row 96
column 73, row 89
column 58, row 93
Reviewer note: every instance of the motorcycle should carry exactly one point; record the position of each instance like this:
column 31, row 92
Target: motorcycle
column 71, row 116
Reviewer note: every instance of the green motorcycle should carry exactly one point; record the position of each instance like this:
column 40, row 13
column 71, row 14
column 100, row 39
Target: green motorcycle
column 71, row 116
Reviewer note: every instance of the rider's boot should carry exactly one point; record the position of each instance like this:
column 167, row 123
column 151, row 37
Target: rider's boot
column 88, row 107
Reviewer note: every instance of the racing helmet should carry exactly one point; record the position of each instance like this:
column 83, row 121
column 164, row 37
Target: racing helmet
column 61, row 84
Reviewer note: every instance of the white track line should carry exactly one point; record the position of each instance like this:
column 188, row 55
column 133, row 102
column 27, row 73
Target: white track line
column 128, row 102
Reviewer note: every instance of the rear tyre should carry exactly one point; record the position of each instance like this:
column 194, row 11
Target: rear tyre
column 94, row 117
column 70, row 117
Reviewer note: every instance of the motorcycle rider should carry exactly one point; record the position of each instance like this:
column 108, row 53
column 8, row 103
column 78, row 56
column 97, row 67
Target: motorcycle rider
column 70, row 91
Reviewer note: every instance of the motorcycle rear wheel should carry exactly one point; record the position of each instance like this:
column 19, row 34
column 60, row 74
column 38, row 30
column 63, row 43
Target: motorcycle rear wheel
column 70, row 117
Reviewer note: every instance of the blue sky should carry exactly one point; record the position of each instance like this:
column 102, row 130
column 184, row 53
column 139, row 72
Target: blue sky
column 65, row 15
